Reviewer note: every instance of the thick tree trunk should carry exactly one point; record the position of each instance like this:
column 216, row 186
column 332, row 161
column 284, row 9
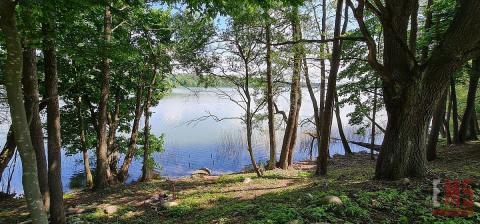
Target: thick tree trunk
column 8, row 150
column 437, row 122
column 132, row 144
column 469, row 115
column 57, row 214
column 30, row 89
column 83, row 142
column 346, row 146
column 453, row 96
column 103, row 175
column 406, row 130
column 411, row 90
column 271, row 113
column 294, row 94
column 12, row 80
column 330, row 98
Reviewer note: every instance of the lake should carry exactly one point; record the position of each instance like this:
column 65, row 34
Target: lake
column 215, row 145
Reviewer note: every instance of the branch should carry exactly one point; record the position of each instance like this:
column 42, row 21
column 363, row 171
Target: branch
column 120, row 24
column 318, row 41
column 277, row 111
column 197, row 120
column 372, row 47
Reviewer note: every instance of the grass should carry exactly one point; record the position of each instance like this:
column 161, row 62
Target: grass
column 291, row 196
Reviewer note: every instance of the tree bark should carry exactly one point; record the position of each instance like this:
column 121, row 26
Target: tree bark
column 374, row 114
column 437, row 122
column 316, row 112
column 112, row 149
column 132, row 144
column 57, row 214
column 147, row 167
column 446, row 122
column 456, row 138
column 322, row 59
column 330, row 98
column 469, row 114
column 294, row 94
column 346, row 146
column 12, row 80
column 31, row 101
column 427, row 26
column 8, row 150
column 103, row 174
column 30, row 90
column 271, row 112
column 411, row 91
column 83, row 143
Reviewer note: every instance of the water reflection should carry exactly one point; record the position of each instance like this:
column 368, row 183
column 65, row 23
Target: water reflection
column 220, row 146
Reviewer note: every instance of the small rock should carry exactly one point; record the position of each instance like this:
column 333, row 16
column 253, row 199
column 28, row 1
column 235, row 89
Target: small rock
column 201, row 172
column 405, row 181
column 247, row 180
column 110, row 209
column 169, row 204
column 331, row 200
column 476, row 204
column 74, row 210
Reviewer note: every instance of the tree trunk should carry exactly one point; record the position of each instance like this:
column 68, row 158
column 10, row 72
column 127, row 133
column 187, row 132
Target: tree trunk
column 132, row 144
column 316, row 113
column 83, row 143
column 12, row 80
column 374, row 114
column 103, row 175
column 330, row 98
column 346, row 146
column 271, row 112
column 30, row 89
column 147, row 167
column 57, row 214
column 112, row 151
column 469, row 114
column 437, row 121
column 456, row 138
column 292, row 114
column 322, row 61
column 427, row 26
column 411, row 90
column 446, row 122
column 8, row 150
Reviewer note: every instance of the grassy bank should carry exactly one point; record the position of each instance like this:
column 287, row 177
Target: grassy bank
column 292, row 196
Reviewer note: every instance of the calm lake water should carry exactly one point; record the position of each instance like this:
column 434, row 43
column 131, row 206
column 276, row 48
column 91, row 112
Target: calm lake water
column 215, row 145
